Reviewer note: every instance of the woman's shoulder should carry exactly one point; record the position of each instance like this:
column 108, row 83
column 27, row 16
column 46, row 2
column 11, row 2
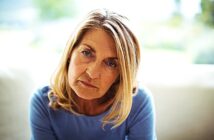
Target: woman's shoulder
column 40, row 96
column 142, row 94
column 142, row 106
column 142, row 101
column 42, row 92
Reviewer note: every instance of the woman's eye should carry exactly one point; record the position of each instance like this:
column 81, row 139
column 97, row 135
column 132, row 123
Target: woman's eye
column 87, row 53
column 111, row 63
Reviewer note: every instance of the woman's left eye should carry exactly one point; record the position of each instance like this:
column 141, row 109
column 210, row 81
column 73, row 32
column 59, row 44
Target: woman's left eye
column 111, row 63
column 87, row 53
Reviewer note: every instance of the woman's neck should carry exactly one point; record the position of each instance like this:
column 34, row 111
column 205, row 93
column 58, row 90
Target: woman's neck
column 93, row 107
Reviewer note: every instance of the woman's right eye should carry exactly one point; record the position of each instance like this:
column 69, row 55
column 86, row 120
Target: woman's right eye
column 87, row 53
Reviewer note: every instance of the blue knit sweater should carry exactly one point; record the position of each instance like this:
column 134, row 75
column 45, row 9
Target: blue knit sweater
column 49, row 124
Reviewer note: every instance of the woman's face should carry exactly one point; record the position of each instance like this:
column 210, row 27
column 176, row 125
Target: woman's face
column 93, row 65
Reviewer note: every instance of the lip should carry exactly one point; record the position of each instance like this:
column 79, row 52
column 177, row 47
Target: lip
column 87, row 84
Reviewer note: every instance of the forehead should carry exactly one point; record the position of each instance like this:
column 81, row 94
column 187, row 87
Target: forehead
column 99, row 40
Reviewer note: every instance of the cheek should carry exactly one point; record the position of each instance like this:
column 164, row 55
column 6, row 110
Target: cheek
column 71, row 74
column 75, row 70
column 108, row 80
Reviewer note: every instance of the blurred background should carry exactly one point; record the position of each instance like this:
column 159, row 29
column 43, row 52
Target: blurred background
column 177, row 38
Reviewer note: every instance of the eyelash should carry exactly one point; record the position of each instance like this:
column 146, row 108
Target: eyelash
column 87, row 53
column 111, row 64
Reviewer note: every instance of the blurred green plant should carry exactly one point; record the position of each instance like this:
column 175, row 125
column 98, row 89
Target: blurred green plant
column 54, row 9
column 204, row 56
column 207, row 7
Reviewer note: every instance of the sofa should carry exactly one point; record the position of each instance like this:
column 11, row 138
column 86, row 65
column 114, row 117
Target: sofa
column 183, row 98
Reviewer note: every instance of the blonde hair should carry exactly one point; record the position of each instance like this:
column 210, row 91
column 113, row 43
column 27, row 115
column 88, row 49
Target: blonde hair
column 128, row 53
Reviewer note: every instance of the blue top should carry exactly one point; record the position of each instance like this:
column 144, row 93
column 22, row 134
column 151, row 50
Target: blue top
column 49, row 124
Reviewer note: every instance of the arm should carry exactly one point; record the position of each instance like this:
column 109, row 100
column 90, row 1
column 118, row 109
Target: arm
column 39, row 119
column 141, row 124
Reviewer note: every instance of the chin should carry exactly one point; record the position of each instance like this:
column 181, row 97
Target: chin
column 88, row 97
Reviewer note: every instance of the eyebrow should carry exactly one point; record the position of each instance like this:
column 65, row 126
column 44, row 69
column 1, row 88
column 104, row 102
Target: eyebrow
column 93, row 50
column 115, row 58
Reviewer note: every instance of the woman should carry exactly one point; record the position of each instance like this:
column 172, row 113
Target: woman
column 93, row 95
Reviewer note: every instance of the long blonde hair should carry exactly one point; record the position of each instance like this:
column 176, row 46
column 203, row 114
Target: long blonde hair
column 128, row 53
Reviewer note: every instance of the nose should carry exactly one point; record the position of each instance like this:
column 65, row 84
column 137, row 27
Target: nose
column 94, row 70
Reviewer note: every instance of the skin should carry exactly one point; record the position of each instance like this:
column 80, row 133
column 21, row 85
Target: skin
column 92, row 70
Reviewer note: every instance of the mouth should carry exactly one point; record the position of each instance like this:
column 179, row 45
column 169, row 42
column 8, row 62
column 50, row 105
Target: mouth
column 87, row 84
